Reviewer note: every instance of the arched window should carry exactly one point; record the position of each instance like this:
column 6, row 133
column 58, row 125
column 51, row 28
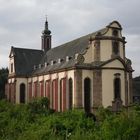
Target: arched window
column 55, row 94
column 116, row 48
column 87, row 88
column 41, row 88
column 115, row 33
column 117, row 88
column 70, row 93
column 47, row 89
column 62, row 98
column 30, row 91
column 61, row 89
column 48, row 43
column 22, row 93
column 12, row 67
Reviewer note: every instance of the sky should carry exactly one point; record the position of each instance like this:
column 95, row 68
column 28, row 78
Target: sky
column 22, row 21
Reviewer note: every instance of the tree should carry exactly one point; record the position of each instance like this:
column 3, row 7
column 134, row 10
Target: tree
column 136, row 89
column 3, row 81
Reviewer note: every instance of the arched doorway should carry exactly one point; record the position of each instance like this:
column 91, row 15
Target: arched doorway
column 87, row 85
column 117, row 88
column 70, row 93
column 22, row 93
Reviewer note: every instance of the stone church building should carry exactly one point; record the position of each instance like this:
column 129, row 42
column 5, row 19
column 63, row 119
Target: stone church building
column 87, row 72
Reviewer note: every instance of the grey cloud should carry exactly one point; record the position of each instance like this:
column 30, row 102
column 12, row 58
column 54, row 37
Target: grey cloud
column 22, row 22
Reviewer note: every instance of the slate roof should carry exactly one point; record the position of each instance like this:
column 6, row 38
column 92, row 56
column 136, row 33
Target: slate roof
column 25, row 59
column 69, row 49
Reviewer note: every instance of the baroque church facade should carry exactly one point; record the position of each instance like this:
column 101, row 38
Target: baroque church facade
column 87, row 72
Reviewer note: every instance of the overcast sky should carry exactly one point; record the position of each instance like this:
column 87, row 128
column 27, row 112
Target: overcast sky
column 22, row 21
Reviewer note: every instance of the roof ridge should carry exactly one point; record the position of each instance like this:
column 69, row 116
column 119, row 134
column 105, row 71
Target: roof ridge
column 77, row 39
column 26, row 49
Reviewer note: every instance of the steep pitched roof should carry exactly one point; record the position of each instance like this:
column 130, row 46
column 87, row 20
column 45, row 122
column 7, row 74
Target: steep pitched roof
column 25, row 59
column 71, row 48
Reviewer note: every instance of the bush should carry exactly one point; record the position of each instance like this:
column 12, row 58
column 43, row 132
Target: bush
column 39, row 105
column 34, row 121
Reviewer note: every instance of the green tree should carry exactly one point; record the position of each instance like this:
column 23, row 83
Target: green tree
column 136, row 85
column 3, row 80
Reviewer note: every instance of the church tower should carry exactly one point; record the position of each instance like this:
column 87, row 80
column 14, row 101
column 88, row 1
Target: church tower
column 46, row 38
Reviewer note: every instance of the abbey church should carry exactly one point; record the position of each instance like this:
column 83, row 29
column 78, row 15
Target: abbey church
column 88, row 72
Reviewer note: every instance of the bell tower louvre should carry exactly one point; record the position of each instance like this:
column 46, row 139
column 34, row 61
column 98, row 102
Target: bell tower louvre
column 46, row 38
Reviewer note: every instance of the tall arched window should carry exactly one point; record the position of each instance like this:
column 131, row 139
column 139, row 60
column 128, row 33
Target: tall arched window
column 48, row 42
column 116, row 48
column 30, row 91
column 62, row 98
column 87, row 90
column 61, row 89
column 117, row 88
column 70, row 93
column 55, row 94
column 41, row 88
column 47, row 89
column 22, row 93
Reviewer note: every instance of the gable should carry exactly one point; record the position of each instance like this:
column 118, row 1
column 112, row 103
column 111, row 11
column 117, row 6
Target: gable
column 115, row 24
column 114, row 64
column 11, row 52
column 25, row 59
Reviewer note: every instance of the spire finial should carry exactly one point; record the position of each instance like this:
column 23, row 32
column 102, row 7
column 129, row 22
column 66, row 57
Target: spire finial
column 46, row 17
column 46, row 24
column 46, row 30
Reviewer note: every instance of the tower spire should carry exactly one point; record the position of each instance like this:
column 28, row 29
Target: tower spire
column 46, row 24
column 46, row 37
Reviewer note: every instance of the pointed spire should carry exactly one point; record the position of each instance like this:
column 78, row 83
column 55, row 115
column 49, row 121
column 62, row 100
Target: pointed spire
column 46, row 31
column 46, row 37
column 46, row 24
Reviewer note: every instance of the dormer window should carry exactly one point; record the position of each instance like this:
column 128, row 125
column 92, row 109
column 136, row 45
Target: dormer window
column 45, row 64
column 115, row 33
column 54, row 62
column 68, row 58
column 60, row 60
column 35, row 67
column 39, row 66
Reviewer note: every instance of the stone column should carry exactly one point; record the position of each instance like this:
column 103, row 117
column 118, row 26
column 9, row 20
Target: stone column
column 126, row 89
column 7, row 91
column 130, row 87
column 97, row 88
column 14, row 92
